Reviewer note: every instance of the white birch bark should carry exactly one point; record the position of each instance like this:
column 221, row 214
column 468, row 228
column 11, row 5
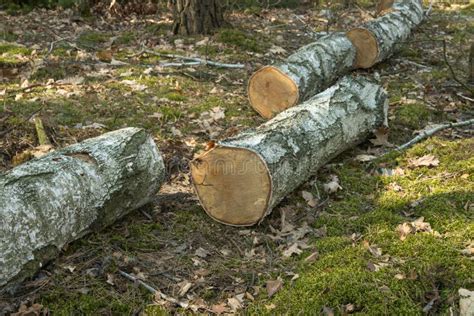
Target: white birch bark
column 316, row 66
column 393, row 28
column 292, row 146
column 51, row 201
column 305, row 73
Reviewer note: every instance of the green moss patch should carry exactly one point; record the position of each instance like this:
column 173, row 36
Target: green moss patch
column 410, row 272
column 239, row 39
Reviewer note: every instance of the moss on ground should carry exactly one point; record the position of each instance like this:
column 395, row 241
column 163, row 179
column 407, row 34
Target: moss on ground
column 413, row 115
column 92, row 39
column 415, row 268
column 240, row 39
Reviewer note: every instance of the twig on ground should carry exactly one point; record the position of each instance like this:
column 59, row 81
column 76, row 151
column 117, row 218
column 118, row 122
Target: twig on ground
column 451, row 70
column 193, row 61
column 51, row 45
column 430, row 7
column 428, row 133
column 36, row 85
column 152, row 289
column 413, row 63
column 464, row 97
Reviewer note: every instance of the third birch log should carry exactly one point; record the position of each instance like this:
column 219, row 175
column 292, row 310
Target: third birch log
column 307, row 72
column 243, row 178
column 378, row 39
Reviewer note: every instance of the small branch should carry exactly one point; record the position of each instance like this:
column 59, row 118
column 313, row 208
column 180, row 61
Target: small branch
column 152, row 289
column 428, row 133
column 451, row 70
column 194, row 61
column 464, row 97
column 413, row 63
column 137, row 280
column 430, row 8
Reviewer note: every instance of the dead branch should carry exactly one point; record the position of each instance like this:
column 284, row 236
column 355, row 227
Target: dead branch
column 152, row 289
column 193, row 61
column 451, row 70
column 428, row 133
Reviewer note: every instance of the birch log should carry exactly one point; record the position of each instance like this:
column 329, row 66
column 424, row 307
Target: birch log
column 51, row 201
column 242, row 179
column 379, row 38
column 307, row 72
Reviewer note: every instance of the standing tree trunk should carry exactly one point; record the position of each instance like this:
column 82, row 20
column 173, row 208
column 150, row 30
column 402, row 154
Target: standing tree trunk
column 243, row 178
column 197, row 16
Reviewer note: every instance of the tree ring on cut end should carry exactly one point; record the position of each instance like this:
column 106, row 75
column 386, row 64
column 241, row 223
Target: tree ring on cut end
column 271, row 91
column 366, row 46
column 233, row 185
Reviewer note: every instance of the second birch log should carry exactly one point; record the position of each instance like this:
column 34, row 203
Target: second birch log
column 305, row 73
column 243, row 178
column 379, row 38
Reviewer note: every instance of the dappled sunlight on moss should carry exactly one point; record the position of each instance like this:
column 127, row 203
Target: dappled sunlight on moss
column 415, row 267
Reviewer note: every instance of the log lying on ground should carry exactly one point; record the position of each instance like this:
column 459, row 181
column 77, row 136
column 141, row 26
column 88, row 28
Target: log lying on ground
column 242, row 179
column 307, row 72
column 51, row 201
column 378, row 39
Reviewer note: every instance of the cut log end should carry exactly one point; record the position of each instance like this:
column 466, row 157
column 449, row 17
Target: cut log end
column 366, row 46
column 233, row 185
column 271, row 91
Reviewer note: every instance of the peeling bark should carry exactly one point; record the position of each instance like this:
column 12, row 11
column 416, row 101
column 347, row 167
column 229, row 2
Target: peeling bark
column 48, row 202
column 378, row 39
column 305, row 73
column 243, row 178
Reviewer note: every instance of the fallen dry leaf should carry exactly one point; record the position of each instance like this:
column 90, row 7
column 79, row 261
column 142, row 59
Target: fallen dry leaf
column 184, row 287
column 293, row 249
column 234, row 304
column 365, row 158
column 418, row 225
column 273, row 286
column 33, row 310
column 381, row 138
column 375, row 251
column 404, row 230
column 328, row 311
column 277, row 50
column 110, row 279
column 309, row 198
column 312, row 257
column 333, row 185
column 269, row 307
column 427, row 160
column 220, row 308
column 400, row 276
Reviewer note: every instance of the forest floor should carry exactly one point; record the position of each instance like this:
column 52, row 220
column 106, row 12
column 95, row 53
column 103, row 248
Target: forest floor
column 397, row 238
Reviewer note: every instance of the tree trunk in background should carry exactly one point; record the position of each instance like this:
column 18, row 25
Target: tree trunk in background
column 48, row 202
column 243, row 178
column 197, row 16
